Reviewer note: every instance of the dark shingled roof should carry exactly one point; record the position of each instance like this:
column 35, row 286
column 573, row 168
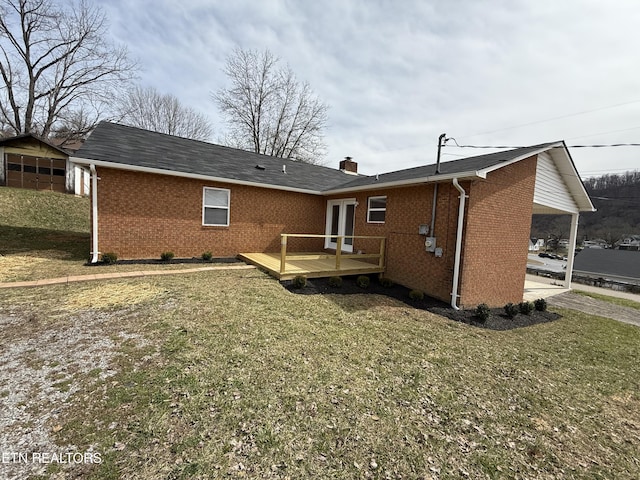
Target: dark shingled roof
column 470, row 164
column 119, row 144
column 606, row 262
column 126, row 145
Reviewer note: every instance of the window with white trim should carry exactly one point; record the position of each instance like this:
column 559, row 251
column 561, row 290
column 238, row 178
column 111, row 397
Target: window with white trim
column 376, row 209
column 215, row 207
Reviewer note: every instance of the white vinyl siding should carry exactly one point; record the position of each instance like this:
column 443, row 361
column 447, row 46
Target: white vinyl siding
column 551, row 193
column 215, row 207
column 376, row 209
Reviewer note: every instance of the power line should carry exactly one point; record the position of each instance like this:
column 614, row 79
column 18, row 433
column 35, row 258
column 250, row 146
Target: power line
column 610, row 170
column 603, row 133
column 553, row 118
column 601, row 145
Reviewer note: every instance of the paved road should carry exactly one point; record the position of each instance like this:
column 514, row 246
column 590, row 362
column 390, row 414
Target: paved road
column 585, row 304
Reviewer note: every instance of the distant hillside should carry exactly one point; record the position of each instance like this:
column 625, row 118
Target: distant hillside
column 617, row 198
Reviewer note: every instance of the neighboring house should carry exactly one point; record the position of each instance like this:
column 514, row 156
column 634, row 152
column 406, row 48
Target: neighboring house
column 609, row 264
column 33, row 163
column 535, row 244
column 630, row 242
column 153, row 192
column 595, row 243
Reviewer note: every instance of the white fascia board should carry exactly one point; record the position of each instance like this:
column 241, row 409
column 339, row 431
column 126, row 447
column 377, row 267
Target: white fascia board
column 404, row 183
column 195, row 176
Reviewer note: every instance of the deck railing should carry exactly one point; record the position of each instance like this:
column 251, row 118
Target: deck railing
column 339, row 242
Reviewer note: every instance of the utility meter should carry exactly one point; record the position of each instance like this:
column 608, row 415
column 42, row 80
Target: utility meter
column 430, row 244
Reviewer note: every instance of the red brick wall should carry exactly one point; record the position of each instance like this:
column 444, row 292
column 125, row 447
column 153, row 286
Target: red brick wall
column 407, row 261
column 142, row 215
column 496, row 235
column 497, row 230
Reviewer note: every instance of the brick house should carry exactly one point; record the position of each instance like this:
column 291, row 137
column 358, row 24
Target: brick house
column 153, row 192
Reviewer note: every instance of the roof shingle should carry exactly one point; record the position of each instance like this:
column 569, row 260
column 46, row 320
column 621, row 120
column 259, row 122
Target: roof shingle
column 120, row 144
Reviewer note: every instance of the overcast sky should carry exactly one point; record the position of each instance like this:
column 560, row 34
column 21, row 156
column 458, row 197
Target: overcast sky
column 397, row 74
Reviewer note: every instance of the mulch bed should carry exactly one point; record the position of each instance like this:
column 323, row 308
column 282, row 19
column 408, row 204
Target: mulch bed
column 497, row 321
column 173, row 261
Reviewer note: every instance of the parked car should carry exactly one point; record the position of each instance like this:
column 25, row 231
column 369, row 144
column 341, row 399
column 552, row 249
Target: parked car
column 544, row 255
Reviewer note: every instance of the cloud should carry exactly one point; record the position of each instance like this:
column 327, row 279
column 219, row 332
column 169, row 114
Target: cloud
column 397, row 74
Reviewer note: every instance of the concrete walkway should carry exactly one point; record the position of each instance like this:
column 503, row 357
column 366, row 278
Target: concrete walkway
column 554, row 287
column 117, row 275
column 535, row 287
column 593, row 306
column 558, row 296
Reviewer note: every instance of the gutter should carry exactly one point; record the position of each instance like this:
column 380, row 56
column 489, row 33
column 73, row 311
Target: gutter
column 456, row 264
column 470, row 175
column 94, row 217
column 196, row 176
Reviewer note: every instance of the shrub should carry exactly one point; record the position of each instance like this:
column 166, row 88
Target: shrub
column 483, row 312
column 511, row 309
column 386, row 282
column 109, row 258
column 335, row 282
column 166, row 256
column 363, row 281
column 416, row 295
column 633, row 288
column 299, row 282
column 526, row 308
column 540, row 304
column 207, row 256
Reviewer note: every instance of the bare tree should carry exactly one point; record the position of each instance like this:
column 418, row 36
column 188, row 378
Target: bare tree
column 147, row 108
column 269, row 111
column 56, row 64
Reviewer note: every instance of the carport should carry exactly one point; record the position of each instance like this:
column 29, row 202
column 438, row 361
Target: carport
column 559, row 191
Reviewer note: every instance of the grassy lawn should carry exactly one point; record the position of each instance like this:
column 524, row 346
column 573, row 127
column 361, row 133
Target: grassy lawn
column 227, row 374
column 46, row 235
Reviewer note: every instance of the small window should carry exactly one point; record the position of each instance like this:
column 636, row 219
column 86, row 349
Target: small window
column 377, row 209
column 29, row 169
column 14, row 167
column 215, row 207
column 59, row 172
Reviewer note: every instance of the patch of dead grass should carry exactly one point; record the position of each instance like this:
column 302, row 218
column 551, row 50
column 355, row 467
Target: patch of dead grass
column 111, row 294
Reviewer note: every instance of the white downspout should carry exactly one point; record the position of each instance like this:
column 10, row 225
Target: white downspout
column 94, row 205
column 456, row 264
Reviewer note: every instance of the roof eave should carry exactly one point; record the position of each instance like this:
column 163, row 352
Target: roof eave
column 196, row 176
column 579, row 193
column 470, row 175
column 31, row 135
column 500, row 165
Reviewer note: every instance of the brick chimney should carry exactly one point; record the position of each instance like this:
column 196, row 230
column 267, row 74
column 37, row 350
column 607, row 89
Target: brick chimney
column 349, row 166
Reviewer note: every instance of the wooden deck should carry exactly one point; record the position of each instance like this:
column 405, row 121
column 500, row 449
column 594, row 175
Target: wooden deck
column 286, row 265
column 310, row 265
